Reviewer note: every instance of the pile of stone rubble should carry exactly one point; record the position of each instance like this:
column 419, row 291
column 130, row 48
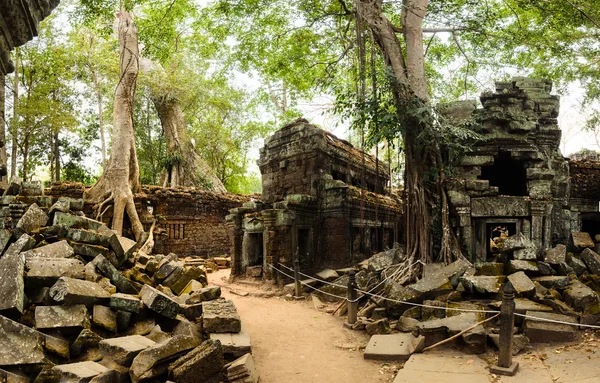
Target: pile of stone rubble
column 79, row 303
column 558, row 285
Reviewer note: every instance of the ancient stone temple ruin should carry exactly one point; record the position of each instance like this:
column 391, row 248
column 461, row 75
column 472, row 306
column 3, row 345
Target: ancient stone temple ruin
column 515, row 179
column 312, row 204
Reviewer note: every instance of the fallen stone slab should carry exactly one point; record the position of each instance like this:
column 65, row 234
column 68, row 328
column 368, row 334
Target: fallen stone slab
column 577, row 265
column 85, row 340
column 124, row 349
column 198, row 365
column 592, row 260
column 69, row 291
column 515, row 265
column 12, row 284
column 519, row 342
column 73, row 317
column 393, row 347
column 220, row 316
column 430, row 288
column 327, row 275
column 380, row 261
column 46, row 271
column 159, row 302
column 234, row 344
column 522, row 284
column 581, row 241
column 190, row 273
column 540, row 331
column 558, row 282
column 24, row 243
column 243, row 370
column 529, row 253
column 91, row 251
column 556, row 254
column 5, row 237
column 105, row 318
column 489, row 268
column 522, row 305
column 452, row 272
column 165, row 269
column 60, row 249
column 106, row 268
column 33, row 219
column 106, row 239
column 474, row 341
column 483, row 284
column 19, row 344
column 545, row 268
column 78, row 372
column 153, row 361
column 582, row 298
column 516, row 242
column 192, row 287
column 125, row 302
column 13, row 377
column 57, row 344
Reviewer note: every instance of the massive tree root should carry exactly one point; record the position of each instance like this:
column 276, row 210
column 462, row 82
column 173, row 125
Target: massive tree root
column 121, row 177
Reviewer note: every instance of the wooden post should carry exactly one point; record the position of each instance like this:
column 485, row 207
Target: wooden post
column 352, row 302
column 507, row 322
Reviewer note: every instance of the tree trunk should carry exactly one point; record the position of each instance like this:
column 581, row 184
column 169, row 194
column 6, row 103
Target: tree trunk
column 56, row 158
column 100, row 113
column 121, row 177
column 185, row 166
column 15, row 123
column 3, row 164
column 410, row 92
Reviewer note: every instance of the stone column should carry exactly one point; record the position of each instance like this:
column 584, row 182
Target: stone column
column 466, row 231
column 537, row 223
column 547, row 227
column 3, row 168
column 269, row 254
column 236, row 236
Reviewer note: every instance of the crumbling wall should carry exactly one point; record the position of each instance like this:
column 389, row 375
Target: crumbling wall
column 190, row 222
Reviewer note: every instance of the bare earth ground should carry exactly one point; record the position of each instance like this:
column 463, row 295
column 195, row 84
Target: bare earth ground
column 294, row 342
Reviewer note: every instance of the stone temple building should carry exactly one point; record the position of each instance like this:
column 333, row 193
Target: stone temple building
column 312, row 205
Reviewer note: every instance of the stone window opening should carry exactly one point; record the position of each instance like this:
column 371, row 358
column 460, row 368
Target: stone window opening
column 508, row 174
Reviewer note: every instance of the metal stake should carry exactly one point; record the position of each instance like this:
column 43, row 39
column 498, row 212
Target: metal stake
column 352, row 302
column 507, row 322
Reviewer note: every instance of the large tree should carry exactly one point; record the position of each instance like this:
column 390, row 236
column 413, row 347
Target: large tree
column 121, row 177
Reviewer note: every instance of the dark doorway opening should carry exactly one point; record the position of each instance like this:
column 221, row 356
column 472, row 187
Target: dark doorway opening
column 304, row 245
column 496, row 233
column 590, row 223
column 507, row 174
column 255, row 249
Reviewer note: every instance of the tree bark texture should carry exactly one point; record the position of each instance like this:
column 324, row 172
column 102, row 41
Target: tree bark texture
column 408, row 67
column 185, row 166
column 3, row 158
column 15, row 124
column 121, row 177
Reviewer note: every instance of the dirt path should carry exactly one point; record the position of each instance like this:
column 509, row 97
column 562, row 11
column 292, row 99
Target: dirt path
column 294, row 342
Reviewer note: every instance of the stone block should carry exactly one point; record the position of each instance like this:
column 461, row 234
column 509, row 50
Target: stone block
column 85, row 340
column 220, row 316
column 526, row 254
column 522, row 284
column 75, row 221
column 61, row 317
column 581, row 241
column 564, row 269
column 439, row 329
column 31, row 189
column 582, row 298
column 381, row 326
column 33, row 219
column 153, row 361
column 60, row 249
column 381, row 261
column 540, row 331
column 69, row 291
column 234, row 344
column 125, row 302
column 105, row 318
column 327, row 275
column 545, row 268
column 5, row 237
column 124, row 349
column 19, row 344
column 45, row 271
column 192, row 287
column 12, row 284
column 209, row 293
column 106, row 239
column 57, row 344
column 123, row 320
column 24, row 243
column 516, row 242
column 199, row 365
column 13, row 377
column 483, row 284
column 106, row 268
column 243, row 370
column 159, row 302
column 158, row 335
column 520, row 265
column 78, row 372
column 557, row 282
column 556, row 254
column 190, row 273
column 391, row 347
column 91, row 251
column 519, row 342
column 166, row 269
column 577, row 265
column 592, row 260
column 489, row 268
column 429, row 288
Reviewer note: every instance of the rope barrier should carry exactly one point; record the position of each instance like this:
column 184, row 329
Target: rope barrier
column 315, row 278
column 557, row 321
column 307, row 285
